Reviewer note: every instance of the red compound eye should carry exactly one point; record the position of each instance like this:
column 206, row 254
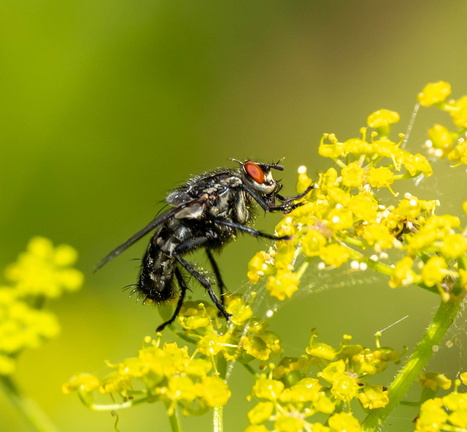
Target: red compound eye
column 254, row 171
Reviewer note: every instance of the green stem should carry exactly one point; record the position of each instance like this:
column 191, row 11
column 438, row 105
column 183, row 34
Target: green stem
column 30, row 411
column 218, row 419
column 174, row 421
column 375, row 265
column 433, row 336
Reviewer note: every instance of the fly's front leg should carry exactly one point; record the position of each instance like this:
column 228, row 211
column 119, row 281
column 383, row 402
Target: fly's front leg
column 252, row 231
column 296, row 197
column 186, row 246
column 269, row 206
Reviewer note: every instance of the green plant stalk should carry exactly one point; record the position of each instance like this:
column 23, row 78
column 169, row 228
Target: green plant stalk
column 433, row 336
column 30, row 411
column 218, row 419
column 174, row 421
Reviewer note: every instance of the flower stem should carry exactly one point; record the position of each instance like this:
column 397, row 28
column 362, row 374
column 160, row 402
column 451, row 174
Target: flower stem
column 30, row 411
column 218, row 419
column 433, row 336
column 174, row 421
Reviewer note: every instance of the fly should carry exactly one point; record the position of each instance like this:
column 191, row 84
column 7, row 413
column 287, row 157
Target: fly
column 206, row 212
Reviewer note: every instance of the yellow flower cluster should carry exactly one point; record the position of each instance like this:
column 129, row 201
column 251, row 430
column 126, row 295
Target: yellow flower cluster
column 245, row 338
column 438, row 243
column 343, row 211
column 166, row 373
column 342, row 220
column 44, row 270
column 40, row 272
column 289, row 397
column 441, row 141
column 448, row 413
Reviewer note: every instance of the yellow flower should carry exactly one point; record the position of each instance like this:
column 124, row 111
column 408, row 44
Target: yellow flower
column 312, row 242
column 441, row 139
column 459, row 112
column 434, row 93
column 22, row 326
column 378, row 235
column 261, row 345
column 344, row 422
column 333, row 150
column 434, row 380
column 318, row 427
column 320, row 350
column 44, row 270
column 386, row 148
column 432, row 416
column 214, row 391
column 306, row 390
column 256, row 428
column 373, row 396
column 364, row 207
column 433, row 272
column 380, row 177
column 239, row 309
column 181, row 387
column 334, row 254
column 357, row 146
column 352, row 175
column 454, row 246
column 288, row 423
column 333, row 372
column 290, row 366
column 84, row 382
column 455, row 401
column 403, row 273
column 382, row 120
column 269, row 389
column 459, row 153
column 459, row 419
column 261, row 264
column 339, row 196
column 303, row 181
column 283, row 284
column 196, row 315
column 7, row 365
column 261, row 412
column 345, row 388
column 211, row 344
column 339, row 219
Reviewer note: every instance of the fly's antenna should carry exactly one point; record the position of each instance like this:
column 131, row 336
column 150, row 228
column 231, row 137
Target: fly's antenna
column 276, row 167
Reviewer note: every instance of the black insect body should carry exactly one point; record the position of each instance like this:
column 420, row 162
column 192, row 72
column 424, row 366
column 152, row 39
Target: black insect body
column 207, row 212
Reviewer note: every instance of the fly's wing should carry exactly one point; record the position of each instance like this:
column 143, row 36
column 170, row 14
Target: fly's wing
column 135, row 237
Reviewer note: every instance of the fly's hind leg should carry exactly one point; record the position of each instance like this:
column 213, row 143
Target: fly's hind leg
column 183, row 289
column 186, row 246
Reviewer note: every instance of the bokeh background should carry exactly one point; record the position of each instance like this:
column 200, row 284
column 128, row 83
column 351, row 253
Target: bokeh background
column 106, row 105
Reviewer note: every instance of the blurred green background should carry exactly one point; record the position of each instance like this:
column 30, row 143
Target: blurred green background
column 105, row 105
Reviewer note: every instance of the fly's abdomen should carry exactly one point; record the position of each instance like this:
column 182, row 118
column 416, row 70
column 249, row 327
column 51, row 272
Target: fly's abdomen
column 156, row 281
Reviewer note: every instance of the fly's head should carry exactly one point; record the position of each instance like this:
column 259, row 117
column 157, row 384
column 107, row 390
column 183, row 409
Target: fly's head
column 258, row 176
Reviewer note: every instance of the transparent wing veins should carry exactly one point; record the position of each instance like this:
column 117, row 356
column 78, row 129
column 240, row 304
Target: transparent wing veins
column 135, row 237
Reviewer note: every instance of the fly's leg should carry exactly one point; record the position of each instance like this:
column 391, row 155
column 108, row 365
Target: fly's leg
column 183, row 288
column 186, row 246
column 296, row 197
column 269, row 206
column 217, row 273
column 252, row 231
